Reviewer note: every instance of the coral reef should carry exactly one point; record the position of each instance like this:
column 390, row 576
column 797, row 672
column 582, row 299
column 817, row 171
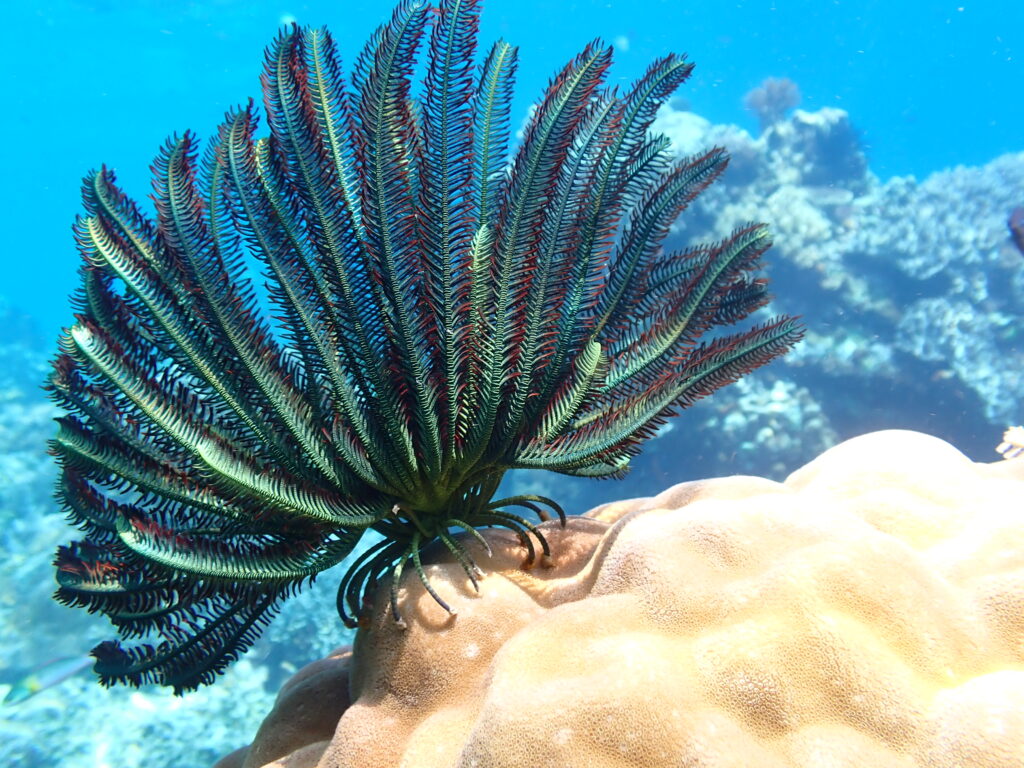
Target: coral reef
column 914, row 287
column 30, row 526
column 1012, row 445
column 69, row 725
column 1016, row 226
column 851, row 257
column 869, row 611
column 772, row 99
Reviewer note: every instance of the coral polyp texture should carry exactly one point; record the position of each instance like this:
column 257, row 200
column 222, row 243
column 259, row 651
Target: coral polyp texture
column 868, row 612
column 431, row 314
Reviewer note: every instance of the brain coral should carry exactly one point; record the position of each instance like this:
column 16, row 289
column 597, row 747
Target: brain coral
column 869, row 611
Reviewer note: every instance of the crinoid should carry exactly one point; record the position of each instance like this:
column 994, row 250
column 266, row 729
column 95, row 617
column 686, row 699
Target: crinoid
column 433, row 316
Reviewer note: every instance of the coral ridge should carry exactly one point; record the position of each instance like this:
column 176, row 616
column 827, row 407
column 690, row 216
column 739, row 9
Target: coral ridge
column 865, row 612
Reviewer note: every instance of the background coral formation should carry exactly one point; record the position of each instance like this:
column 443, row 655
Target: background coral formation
column 772, row 99
column 867, row 612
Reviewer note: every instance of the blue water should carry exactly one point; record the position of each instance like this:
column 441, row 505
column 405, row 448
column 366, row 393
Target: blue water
column 929, row 84
column 913, row 292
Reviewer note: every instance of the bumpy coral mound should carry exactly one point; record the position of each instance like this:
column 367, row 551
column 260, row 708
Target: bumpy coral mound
column 867, row 612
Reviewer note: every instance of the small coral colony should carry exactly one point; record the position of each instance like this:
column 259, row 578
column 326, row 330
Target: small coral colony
column 429, row 307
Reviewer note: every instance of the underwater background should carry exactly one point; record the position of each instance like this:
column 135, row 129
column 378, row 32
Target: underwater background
column 886, row 152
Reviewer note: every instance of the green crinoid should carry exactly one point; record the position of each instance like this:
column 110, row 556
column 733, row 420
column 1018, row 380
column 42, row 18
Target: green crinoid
column 431, row 316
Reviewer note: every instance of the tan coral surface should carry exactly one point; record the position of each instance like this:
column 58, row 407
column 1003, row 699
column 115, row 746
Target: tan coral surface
column 867, row 612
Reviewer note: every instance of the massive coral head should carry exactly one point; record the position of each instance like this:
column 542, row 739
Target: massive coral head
column 438, row 315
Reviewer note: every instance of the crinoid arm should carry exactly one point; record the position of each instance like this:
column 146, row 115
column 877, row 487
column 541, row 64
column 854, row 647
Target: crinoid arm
column 361, row 320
